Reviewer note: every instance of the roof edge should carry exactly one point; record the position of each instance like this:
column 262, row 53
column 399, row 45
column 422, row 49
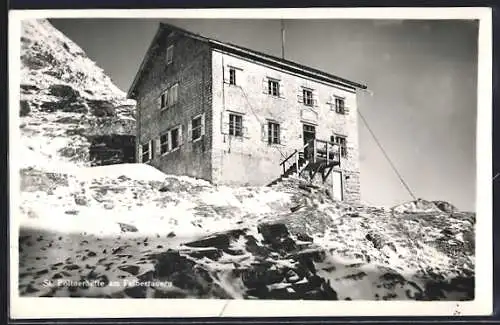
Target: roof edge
column 236, row 49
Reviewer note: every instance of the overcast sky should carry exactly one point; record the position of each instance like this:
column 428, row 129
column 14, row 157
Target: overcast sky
column 423, row 75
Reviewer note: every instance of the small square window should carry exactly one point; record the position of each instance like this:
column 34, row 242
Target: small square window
column 273, row 133
column 235, row 125
column 307, row 96
column 273, row 87
column 232, row 76
column 339, row 105
column 170, row 54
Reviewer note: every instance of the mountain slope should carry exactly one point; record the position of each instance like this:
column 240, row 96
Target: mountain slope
column 145, row 234
column 71, row 112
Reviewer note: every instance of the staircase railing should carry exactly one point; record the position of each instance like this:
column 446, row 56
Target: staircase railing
column 294, row 154
column 322, row 151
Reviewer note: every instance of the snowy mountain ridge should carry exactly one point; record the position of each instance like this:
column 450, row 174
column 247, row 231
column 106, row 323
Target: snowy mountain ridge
column 71, row 112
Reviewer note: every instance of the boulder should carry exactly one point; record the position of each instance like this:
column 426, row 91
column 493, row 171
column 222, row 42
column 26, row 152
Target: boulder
column 25, row 108
column 63, row 91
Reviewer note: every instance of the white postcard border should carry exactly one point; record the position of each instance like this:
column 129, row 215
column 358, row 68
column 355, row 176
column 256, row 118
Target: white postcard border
column 30, row 308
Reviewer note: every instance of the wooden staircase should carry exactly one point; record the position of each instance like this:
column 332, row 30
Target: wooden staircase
column 316, row 156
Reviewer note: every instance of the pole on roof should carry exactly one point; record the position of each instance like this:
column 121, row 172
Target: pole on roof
column 282, row 39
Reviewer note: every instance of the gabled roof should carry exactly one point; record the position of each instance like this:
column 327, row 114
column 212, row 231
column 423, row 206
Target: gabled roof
column 248, row 53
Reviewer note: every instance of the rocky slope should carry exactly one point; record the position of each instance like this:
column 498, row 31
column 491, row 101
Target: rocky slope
column 71, row 112
column 131, row 231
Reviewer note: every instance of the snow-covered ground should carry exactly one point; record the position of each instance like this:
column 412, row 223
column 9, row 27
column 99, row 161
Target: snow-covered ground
column 147, row 214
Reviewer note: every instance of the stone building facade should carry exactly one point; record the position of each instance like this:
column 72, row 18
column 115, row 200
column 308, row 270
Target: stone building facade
column 230, row 115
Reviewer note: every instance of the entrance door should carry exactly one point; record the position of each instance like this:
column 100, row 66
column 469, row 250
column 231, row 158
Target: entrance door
column 309, row 133
column 337, row 189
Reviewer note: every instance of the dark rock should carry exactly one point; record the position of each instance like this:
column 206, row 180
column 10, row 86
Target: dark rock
column 63, row 91
column 147, row 276
column 171, row 294
column 171, row 234
column 57, row 276
column 132, row 269
column 261, row 292
column 375, row 239
column 170, row 262
column 445, row 206
column 260, row 274
column 71, row 267
column 74, row 107
column 101, row 108
column 136, row 292
column 25, row 108
column 219, row 240
column 127, row 228
column 213, row 254
column 304, row 237
column 296, row 208
column 273, row 231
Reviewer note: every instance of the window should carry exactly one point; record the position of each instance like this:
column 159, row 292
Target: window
column 342, row 142
column 339, row 105
column 273, row 87
column 170, row 54
column 232, row 76
column 174, row 139
column 235, row 125
column 145, row 148
column 196, row 128
column 307, row 97
column 273, row 133
column 164, row 144
column 169, row 97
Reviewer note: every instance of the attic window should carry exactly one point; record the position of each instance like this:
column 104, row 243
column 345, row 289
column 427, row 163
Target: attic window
column 307, row 96
column 273, row 87
column 232, row 76
column 170, row 54
column 339, row 105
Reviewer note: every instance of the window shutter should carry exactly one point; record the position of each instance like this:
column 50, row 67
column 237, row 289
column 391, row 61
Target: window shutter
column 169, row 142
column 346, row 110
column 151, row 149
column 203, row 124
column 158, row 102
column 265, row 86
column 263, row 131
column 139, row 154
column 300, row 95
column 181, row 138
column 190, row 131
column 282, row 89
column 225, row 74
column 283, row 135
column 176, row 93
column 158, row 147
column 315, row 99
column 225, row 122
